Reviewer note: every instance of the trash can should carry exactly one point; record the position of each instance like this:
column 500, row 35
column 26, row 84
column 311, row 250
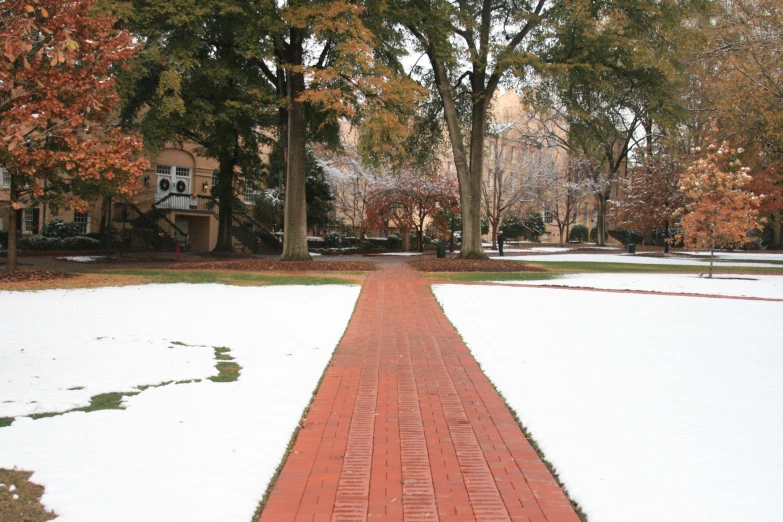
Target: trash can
column 631, row 248
column 441, row 251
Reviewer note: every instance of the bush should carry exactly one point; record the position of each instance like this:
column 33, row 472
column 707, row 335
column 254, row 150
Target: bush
column 80, row 243
column 3, row 238
column 533, row 223
column 59, row 229
column 370, row 243
column 43, row 243
column 394, row 241
column 579, row 233
column 333, row 239
column 513, row 227
column 627, row 237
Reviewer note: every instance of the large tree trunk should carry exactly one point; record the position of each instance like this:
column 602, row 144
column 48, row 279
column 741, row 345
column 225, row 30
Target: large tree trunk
column 406, row 239
column 561, row 231
column 666, row 237
column 225, row 190
column 777, row 231
column 295, row 219
column 468, row 175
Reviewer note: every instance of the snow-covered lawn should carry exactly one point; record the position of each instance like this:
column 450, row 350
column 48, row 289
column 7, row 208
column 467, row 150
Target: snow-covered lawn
column 182, row 452
column 651, row 408
column 767, row 286
column 633, row 259
column 544, row 250
column 81, row 259
column 397, row 254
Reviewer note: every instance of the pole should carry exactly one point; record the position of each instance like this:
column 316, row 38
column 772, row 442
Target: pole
column 451, row 239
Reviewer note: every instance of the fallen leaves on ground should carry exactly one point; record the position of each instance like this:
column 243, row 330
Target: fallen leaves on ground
column 268, row 265
column 471, row 265
column 28, row 276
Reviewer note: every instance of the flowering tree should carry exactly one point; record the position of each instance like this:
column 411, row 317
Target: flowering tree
column 652, row 195
column 408, row 198
column 719, row 209
column 57, row 102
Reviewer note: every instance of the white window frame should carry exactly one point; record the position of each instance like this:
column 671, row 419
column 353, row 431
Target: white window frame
column 251, row 190
column 5, row 178
column 549, row 216
column 27, row 229
column 86, row 222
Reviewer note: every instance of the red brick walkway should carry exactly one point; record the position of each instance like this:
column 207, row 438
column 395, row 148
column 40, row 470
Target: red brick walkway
column 405, row 426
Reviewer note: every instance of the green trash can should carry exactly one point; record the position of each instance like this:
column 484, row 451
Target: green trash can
column 441, row 251
column 631, row 248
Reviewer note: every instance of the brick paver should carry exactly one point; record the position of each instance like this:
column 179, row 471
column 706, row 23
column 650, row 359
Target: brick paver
column 406, row 426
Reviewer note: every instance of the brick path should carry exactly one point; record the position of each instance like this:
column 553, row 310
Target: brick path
column 405, row 426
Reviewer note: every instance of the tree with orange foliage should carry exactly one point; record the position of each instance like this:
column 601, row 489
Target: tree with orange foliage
column 408, row 198
column 57, row 104
column 719, row 209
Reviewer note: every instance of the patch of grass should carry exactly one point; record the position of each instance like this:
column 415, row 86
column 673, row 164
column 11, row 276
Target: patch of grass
column 227, row 372
column 230, row 278
column 471, row 277
column 589, row 266
column 102, row 401
column 27, row 506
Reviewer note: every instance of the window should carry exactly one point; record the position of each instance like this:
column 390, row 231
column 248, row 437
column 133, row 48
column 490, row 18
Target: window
column 30, row 221
column 83, row 221
column 250, row 192
column 549, row 216
column 163, row 170
column 214, row 178
column 5, row 178
column 183, row 172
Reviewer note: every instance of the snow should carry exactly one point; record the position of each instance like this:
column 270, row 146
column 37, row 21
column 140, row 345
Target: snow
column 181, row 452
column 397, row 254
column 766, row 286
column 631, row 259
column 81, row 259
column 671, row 413
column 533, row 249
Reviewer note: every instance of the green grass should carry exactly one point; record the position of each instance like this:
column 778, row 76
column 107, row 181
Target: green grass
column 470, row 277
column 228, row 371
column 588, row 266
column 225, row 277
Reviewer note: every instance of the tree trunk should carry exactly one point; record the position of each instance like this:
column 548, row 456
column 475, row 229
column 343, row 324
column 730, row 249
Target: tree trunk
column 406, row 239
column 777, row 231
column 419, row 239
column 225, row 190
column 561, row 230
column 468, row 175
column 712, row 255
column 666, row 237
column 295, row 219
column 600, row 238
column 12, row 225
column 494, row 223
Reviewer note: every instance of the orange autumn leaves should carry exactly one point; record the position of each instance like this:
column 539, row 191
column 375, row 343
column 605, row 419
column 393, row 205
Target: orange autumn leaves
column 58, row 101
column 719, row 209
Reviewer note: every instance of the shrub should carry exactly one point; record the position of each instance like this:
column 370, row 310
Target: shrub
column 512, row 227
column 80, row 243
column 3, row 238
column 39, row 243
column 579, row 233
column 394, row 241
column 533, row 225
column 333, row 239
column 627, row 237
column 59, row 229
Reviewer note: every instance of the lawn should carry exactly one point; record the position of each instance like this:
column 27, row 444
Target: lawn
column 650, row 407
column 161, row 402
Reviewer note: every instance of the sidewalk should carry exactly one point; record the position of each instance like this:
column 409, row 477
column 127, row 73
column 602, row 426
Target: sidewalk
column 405, row 426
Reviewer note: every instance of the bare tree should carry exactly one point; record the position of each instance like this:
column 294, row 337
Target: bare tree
column 562, row 189
column 351, row 183
column 514, row 172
